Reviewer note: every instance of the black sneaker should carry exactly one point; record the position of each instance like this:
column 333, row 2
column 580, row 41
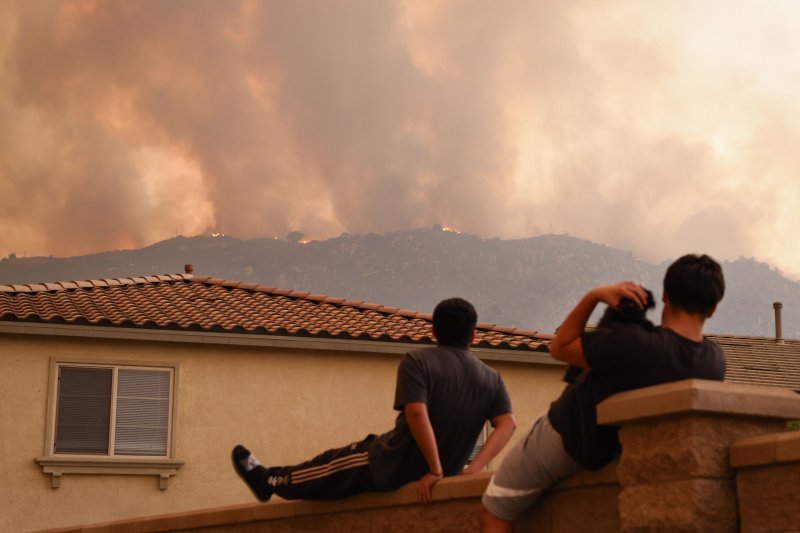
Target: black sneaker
column 251, row 472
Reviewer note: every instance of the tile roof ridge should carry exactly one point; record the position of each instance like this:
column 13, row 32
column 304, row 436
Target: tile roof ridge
column 514, row 331
column 57, row 286
column 314, row 297
column 362, row 305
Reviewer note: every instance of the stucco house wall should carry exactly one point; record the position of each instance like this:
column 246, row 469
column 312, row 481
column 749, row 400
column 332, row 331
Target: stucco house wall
column 286, row 403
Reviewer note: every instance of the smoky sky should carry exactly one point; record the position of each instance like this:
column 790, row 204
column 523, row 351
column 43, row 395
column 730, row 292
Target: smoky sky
column 659, row 127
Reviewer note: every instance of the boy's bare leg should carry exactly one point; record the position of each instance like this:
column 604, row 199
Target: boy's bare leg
column 491, row 524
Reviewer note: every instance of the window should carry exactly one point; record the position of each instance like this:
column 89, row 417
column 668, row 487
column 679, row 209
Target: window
column 112, row 411
column 112, row 418
column 479, row 443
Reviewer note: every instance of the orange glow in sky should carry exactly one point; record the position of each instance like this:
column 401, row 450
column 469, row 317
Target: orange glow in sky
column 660, row 127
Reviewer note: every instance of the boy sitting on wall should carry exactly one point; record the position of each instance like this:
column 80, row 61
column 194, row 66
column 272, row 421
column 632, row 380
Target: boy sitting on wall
column 627, row 356
column 444, row 395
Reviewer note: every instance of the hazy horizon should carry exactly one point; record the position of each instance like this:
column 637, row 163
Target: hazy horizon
column 307, row 240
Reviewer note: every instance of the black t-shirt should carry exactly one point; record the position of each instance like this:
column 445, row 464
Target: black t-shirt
column 624, row 357
column 460, row 392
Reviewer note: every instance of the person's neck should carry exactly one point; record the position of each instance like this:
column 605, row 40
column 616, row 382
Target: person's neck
column 687, row 325
column 465, row 348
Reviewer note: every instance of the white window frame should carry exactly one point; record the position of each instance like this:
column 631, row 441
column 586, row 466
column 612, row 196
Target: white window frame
column 58, row 464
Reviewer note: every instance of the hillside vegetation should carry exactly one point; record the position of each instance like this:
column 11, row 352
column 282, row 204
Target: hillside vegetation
column 530, row 283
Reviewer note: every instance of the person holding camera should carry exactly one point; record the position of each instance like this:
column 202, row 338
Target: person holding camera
column 623, row 356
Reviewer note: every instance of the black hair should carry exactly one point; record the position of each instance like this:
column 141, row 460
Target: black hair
column 694, row 283
column 627, row 311
column 454, row 321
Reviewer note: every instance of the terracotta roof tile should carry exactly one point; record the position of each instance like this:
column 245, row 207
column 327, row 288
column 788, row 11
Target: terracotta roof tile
column 181, row 302
column 761, row 360
column 207, row 304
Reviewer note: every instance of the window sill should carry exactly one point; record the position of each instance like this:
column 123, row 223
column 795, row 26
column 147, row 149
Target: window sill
column 57, row 466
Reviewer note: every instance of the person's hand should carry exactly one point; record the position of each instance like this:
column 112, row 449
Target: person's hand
column 426, row 483
column 468, row 471
column 613, row 294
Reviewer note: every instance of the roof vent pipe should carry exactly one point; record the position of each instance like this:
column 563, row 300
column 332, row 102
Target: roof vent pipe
column 778, row 328
column 188, row 268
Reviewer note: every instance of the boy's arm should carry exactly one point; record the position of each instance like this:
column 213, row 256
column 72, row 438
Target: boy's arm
column 504, row 426
column 416, row 414
column 566, row 345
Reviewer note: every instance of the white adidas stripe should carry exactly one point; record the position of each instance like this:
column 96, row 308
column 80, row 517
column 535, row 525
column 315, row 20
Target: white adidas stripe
column 329, row 469
column 496, row 491
column 312, row 469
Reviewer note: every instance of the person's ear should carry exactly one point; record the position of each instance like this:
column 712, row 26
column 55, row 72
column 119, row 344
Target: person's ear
column 471, row 338
column 711, row 312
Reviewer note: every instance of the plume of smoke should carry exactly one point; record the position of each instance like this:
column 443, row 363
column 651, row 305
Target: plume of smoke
column 124, row 122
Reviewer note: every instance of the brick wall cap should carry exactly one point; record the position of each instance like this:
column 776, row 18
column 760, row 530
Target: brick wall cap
column 699, row 396
column 766, row 449
column 450, row 488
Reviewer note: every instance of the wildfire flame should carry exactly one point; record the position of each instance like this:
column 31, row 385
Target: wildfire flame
column 450, row 230
column 304, row 241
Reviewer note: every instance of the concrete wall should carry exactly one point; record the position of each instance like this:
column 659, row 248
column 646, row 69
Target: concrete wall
column 675, row 471
column 683, row 445
column 285, row 404
column 768, row 481
column 454, row 509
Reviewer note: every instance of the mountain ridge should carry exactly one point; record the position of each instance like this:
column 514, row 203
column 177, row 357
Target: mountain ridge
column 530, row 283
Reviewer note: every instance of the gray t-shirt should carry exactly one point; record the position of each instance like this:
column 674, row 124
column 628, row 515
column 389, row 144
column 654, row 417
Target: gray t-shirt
column 461, row 393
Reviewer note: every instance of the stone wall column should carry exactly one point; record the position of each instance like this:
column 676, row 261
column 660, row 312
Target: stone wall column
column 768, row 482
column 674, row 469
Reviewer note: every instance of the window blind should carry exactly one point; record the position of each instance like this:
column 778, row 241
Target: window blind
column 84, row 408
column 142, row 413
column 478, row 445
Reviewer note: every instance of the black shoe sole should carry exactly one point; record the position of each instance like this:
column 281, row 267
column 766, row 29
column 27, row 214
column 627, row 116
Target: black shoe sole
column 243, row 475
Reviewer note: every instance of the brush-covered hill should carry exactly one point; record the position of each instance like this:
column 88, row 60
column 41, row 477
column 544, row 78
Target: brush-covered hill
column 530, row 283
